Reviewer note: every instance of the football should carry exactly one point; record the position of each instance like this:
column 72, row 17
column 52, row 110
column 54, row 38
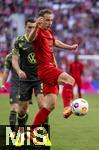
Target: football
column 80, row 107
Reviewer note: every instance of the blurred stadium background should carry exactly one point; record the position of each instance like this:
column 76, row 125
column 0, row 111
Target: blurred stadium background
column 76, row 21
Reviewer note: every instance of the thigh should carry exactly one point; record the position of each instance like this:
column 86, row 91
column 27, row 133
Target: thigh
column 25, row 90
column 65, row 78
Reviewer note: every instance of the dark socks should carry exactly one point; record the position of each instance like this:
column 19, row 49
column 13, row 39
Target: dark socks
column 22, row 119
column 12, row 119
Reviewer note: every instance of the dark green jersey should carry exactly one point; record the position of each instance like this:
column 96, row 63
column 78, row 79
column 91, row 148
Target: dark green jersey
column 8, row 66
column 28, row 64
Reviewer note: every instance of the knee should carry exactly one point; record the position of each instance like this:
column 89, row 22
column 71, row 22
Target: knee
column 22, row 110
column 73, row 81
column 14, row 107
column 51, row 107
column 40, row 100
column 65, row 78
column 40, row 105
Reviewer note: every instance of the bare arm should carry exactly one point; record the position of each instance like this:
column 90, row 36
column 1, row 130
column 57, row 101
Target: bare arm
column 60, row 44
column 15, row 64
column 5, row 76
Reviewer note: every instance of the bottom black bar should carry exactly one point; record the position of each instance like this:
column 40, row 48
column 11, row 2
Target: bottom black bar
column 24, row 148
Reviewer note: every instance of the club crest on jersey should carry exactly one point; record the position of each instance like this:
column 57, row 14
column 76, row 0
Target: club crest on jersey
column 31, row 58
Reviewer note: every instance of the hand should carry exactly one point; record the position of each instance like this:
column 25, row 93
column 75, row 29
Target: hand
column 74, row 47
column 22, row 74
column 3, row 88
column 39, row 21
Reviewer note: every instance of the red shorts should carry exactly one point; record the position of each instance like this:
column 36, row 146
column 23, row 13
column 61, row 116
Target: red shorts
column 49, row 75
column 50, row 89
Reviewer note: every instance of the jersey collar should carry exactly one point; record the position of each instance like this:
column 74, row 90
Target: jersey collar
column 26, row 37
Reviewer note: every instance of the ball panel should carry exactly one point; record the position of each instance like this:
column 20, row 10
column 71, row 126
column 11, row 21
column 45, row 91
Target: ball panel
column 80, row 107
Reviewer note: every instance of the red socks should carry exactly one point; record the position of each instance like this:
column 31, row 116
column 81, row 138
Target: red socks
column 41, row 116
column 67, row 94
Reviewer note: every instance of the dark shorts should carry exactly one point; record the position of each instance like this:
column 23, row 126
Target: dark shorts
column 26, row 88
column 49, row 76
column 14, row 92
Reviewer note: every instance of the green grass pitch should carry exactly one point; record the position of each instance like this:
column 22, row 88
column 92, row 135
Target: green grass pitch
column 74, row 133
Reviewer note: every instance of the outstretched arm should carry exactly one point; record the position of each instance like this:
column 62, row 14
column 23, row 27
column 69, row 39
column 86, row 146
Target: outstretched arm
column 60, row 44
column 33, row 34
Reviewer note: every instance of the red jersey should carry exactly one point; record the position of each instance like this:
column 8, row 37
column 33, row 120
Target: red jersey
column 43, row 45
column 76, row 69
column 47, row 70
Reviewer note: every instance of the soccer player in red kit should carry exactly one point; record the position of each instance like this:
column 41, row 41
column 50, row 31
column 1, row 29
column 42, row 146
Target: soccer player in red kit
column 43, row 41
column 76, row 71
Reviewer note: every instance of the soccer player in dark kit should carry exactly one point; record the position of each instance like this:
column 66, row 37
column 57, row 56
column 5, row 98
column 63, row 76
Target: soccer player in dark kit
column 24, row 62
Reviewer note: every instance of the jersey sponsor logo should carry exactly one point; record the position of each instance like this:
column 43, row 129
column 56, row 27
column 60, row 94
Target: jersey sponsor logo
column 20, row 45
column 26, row 48
column 31, row 58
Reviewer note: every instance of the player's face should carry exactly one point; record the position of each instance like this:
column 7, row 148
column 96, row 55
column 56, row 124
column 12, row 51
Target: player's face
column 30, row 26
column 47, row 20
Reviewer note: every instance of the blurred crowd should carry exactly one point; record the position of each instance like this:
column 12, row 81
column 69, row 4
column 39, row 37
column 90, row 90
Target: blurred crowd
column 75, row 21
